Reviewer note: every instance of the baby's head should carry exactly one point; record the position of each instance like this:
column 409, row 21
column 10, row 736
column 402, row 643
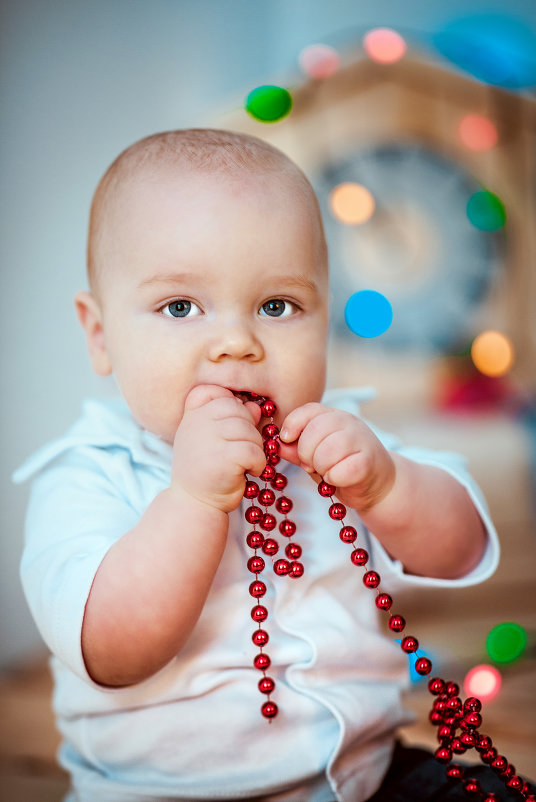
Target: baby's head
column 207, row 264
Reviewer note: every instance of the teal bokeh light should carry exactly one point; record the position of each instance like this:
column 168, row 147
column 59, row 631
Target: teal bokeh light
column 486, row 211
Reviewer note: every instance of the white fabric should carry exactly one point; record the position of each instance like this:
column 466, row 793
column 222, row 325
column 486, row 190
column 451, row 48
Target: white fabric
column 194, row 731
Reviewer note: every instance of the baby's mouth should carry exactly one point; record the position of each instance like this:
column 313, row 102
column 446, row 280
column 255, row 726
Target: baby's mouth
column 248, row 395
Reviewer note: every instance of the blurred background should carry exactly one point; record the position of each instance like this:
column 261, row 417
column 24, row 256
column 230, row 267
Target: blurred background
column 416, row 124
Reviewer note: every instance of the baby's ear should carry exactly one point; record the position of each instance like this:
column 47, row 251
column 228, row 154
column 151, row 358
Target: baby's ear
column 90, row 317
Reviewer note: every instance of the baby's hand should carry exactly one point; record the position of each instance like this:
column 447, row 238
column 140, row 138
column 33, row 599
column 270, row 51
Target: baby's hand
column 215, row 445
column 341, row 449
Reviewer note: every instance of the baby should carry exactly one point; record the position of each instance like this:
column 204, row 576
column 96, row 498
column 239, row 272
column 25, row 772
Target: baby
column 208, row 276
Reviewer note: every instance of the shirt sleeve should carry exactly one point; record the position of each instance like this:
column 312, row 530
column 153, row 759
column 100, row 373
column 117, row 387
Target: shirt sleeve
column 455, row 465
column 74, row 516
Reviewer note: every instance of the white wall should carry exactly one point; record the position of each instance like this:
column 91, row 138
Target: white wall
column 82, row 79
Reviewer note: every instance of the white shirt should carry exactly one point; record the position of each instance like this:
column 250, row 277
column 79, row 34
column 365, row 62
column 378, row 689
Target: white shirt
column 194, row 730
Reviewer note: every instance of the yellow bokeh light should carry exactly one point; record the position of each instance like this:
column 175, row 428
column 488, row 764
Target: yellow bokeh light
column 492, row 353
column 352, row 203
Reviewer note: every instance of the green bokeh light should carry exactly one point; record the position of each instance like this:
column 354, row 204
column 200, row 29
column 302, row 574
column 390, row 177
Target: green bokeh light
column 486, row 211
column 506, row 642
column 268, row 103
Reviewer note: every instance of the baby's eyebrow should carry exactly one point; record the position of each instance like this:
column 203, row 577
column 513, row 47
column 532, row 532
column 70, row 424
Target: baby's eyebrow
column 168, row 278
column 299, row 281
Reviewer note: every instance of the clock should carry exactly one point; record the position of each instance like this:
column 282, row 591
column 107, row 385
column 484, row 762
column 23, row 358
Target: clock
column 418, row 248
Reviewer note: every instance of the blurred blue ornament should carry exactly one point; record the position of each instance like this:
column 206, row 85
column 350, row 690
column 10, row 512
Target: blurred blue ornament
column 368, row 313
column 494, row 48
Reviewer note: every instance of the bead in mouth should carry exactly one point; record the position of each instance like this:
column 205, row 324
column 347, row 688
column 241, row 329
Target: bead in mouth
column 248, row 395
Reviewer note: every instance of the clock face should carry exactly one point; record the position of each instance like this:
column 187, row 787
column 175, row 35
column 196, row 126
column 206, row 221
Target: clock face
column 418, row 247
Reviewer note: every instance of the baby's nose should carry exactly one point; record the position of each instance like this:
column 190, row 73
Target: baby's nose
column 235, row 340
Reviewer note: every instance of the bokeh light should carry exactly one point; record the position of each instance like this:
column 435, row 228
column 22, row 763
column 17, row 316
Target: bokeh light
column 486, row 211
column 368, row 313
column 269, row 104
column 492, row 353
column 319, row 61
column 506, row 642
column 483, row 681
column 477, row 132
column 384, row 45
column 351, row 203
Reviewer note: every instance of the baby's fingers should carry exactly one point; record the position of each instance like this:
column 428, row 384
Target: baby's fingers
column 297, row 420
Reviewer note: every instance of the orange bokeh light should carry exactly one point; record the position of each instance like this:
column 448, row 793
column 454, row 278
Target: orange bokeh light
column 482, row 681
column 319, row 61
column 352, row 203
column 477, row 132
column 492, row 353
column 384, row 45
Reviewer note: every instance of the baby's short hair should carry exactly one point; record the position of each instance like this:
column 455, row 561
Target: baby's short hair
column 202, row 150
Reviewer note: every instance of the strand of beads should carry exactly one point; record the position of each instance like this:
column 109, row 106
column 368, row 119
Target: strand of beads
column 289, row 566
column 449, row 713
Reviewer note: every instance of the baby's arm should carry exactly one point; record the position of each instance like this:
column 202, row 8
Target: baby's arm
column 152, row 584
column 421, row 514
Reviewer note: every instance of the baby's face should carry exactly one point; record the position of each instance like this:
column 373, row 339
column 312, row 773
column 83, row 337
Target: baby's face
column 213, row 281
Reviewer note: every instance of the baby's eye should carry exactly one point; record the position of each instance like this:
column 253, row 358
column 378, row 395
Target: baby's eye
column 276, row 307
column 181, row 308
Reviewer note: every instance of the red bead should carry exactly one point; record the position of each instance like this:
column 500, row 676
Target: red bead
column 266, row 497
column 273, row 459
column 383, row 601
column 348, row 534
column 266, row 685
column 452, row 689
column 287, row 528
column 484, row 743
column 337, row 511
column 281, row 567
column 259, row 613
column 293, row 551
column 515, row 782
column 509, row 772
column 262, row 661
column 454, row 703
column 439, row 705
column 283, row 505
column 423, row 666
column 397, row 623
column 469, row 739
column 270, row 431
column 409, row 644
column 270, row 546
column 491, row 798
column 271, row 446
column 279, row 482
column 268, row 473
column 326, row 489
column 473, row 720
column 359, row 557
column 472, row 786
column 458, row 747
column 445, row 733
column 499, row 764
column 269, row 710
column 269, row 521
column 268, row 408
column 443, row 754
column 253, row 515
column 472, row 705
column 489, row 756
column 257, row 589
column 454, row 771
column 260, row 637
column 251, row 490
column 371, row 579
column 436, row 686
column 296, row 569
column 256, row 565
column 255, row 540
column 435, row 717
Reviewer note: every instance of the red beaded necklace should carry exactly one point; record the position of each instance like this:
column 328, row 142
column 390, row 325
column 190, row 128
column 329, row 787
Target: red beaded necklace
column 457, row 721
